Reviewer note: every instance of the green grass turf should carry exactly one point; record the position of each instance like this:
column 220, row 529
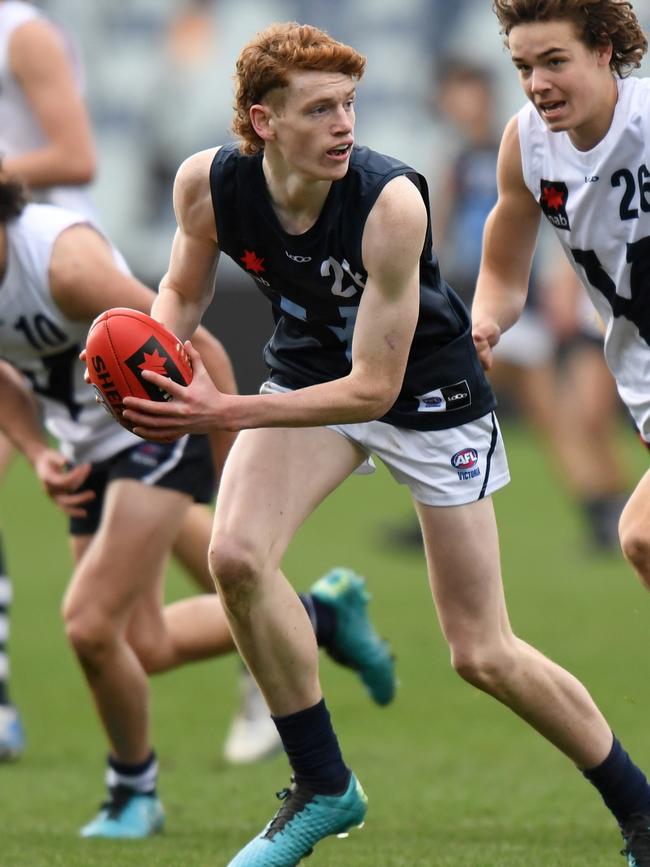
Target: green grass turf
column 453, row 778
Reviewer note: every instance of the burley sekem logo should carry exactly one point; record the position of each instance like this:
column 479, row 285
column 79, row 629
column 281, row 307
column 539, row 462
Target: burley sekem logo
column 553, row 199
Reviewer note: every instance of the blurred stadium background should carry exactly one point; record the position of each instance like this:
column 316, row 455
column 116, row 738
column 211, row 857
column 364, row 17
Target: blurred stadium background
column 453, row 778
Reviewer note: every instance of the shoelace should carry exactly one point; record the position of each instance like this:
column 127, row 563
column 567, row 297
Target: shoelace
column 119, row 796
column 295, row 800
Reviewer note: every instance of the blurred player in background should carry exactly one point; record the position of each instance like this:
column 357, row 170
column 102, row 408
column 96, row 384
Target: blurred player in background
column 579, row 153
column 127, row 500
column 372, row 353
column 46, row 139
column 572, row 409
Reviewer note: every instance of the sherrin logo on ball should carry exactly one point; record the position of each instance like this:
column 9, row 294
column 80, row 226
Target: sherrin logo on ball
column 121, row 344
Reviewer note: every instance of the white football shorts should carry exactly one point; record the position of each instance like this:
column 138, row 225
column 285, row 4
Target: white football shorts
column 448, row 467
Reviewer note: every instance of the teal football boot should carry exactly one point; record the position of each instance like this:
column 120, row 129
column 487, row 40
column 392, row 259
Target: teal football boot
column 356, row 644
column 303, row 819
column 127, row 815
column 12, row 734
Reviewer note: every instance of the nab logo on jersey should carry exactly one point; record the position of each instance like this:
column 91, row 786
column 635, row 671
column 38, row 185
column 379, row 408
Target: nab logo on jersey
column 553, row 202
column 465, row 462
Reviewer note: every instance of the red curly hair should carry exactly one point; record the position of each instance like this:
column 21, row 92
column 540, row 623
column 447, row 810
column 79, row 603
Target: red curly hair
column 265, row 62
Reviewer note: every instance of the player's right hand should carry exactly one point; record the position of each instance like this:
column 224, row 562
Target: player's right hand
column 485, row 335
column 62, row 482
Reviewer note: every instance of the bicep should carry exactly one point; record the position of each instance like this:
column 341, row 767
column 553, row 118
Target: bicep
column 511, row 228
column 192, row 266
column 392, row 245
column 85, row 278
column 195, row 252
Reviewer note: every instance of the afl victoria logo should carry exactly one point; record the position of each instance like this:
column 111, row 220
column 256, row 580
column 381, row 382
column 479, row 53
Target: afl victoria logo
column 465, row 459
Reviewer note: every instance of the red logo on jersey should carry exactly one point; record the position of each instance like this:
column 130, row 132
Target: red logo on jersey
column 552, row 197
column 252, row 262
column 552, row 200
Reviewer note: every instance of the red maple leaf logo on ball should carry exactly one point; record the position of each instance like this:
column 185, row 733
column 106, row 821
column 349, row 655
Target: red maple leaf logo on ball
column 252, row 261
column 154, row 362
column 553, row 198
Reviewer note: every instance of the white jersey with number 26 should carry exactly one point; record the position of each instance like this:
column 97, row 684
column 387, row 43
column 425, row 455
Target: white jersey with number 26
column 598, row 202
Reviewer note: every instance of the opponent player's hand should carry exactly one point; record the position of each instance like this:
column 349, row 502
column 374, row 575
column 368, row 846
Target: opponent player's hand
column 82, row 357
column 485, row 335
column 62, row 483
column 193, row 408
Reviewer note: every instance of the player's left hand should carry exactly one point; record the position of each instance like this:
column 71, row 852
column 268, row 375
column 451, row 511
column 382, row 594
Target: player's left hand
column 194, row 408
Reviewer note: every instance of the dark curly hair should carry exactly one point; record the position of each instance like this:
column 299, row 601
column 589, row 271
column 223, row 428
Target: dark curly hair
column 598, row 22
column 13, row 197
column 264, row 63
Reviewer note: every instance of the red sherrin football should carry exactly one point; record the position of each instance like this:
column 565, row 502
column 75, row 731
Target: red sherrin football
column 121, row 344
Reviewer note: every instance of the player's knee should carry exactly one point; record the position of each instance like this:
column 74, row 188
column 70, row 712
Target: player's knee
column 635, row 544
column 89, row 633
column 235, row 567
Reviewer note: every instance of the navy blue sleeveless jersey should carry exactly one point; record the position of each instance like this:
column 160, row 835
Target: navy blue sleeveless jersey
column 315, row 281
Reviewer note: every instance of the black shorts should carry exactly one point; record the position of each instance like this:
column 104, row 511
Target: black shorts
column 185, row 466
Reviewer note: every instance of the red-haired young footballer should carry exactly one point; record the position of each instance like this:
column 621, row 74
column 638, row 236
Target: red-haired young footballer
column 372, row 354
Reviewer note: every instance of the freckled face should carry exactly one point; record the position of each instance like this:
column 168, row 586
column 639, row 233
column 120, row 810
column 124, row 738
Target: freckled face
column 312, row 122
column 571, row 85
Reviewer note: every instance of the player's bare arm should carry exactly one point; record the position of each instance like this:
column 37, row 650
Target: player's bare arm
column 393, row 240
column 187, row 288
column 40, row 63
column 85, row 279
column 509, row 241
column 20, row 422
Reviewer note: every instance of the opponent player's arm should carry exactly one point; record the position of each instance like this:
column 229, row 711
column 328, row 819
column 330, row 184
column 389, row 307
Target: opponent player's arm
column 392, row 244
column 509, row 240
column 20, row 421
column 40, row 63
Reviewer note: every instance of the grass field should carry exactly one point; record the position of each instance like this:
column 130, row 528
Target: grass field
column 453, row 778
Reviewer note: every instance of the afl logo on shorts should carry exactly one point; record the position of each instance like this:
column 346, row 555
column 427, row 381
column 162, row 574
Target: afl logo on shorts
column 465, row 462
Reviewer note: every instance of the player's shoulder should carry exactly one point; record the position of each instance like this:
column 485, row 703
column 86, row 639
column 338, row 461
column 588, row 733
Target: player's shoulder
column 193, row 178
column 195, row 170
column 14, row 13
column 45, row 221
column 14, row 17
column 634, row 93
column 192, row 194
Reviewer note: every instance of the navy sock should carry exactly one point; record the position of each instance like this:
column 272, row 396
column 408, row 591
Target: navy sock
column 322, row 616
column 313, row 750
column 623, row 787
